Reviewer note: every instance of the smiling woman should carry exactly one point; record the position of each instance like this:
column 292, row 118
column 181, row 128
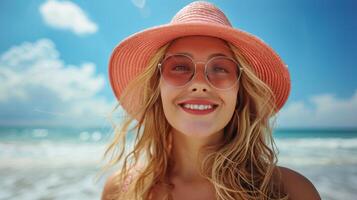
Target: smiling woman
column 199, row 109
column 202, row 94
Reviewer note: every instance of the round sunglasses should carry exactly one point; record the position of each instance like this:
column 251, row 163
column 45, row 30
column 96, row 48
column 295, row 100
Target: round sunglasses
column 221, row 72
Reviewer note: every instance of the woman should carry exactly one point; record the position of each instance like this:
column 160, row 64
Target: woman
column 202, row 94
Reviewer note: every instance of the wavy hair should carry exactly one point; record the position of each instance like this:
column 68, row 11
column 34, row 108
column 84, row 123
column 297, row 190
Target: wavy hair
column 244, row 165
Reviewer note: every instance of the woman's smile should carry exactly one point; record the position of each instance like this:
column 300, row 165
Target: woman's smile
column 198, row 106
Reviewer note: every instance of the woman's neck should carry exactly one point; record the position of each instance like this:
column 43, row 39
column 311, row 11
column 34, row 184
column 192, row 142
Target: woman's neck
column 185, row 155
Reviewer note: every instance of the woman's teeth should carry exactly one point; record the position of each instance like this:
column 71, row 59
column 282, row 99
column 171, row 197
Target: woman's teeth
column 197, row 107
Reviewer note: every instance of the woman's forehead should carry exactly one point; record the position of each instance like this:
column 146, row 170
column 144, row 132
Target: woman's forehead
column 199, row 46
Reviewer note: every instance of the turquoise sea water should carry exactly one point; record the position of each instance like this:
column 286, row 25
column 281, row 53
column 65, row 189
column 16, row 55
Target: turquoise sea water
column 61, row 163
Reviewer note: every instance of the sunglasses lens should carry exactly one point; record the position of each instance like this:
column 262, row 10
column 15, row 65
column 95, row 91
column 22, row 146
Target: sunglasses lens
column 222, row 72
column 177, row 70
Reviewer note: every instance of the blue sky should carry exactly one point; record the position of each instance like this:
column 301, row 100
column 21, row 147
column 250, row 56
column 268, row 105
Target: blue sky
column 54, row 56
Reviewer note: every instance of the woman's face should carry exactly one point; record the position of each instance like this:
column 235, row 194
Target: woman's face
column 188, row 121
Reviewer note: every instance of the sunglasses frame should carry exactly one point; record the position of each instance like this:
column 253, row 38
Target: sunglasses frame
column 240, row 70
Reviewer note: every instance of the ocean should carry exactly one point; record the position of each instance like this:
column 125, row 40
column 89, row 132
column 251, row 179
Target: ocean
column 62, row 163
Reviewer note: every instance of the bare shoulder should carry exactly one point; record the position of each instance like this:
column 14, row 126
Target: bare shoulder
column 297, row 186
column 113, row 186
column 110, row 188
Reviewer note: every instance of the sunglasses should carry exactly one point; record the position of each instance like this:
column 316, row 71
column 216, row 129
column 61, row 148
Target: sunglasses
column 221, row 72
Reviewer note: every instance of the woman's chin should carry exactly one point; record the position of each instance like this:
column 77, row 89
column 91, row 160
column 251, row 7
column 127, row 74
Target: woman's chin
column 197, row 131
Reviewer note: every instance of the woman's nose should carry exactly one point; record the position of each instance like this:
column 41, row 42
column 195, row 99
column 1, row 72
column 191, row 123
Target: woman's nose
column 199, row 81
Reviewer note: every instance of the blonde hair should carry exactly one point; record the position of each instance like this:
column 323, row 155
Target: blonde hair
column 244, row 165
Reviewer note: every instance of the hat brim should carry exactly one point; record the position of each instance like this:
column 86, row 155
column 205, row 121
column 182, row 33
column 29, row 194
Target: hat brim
column 132, row 55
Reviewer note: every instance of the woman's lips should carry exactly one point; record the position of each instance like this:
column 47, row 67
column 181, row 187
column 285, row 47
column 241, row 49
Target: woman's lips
column 198, row 106
column 198, row 112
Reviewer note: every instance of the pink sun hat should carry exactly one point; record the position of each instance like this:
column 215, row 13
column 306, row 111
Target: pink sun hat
column 131, row 56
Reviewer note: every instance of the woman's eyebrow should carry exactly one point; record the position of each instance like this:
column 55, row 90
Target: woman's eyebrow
column 209, row 57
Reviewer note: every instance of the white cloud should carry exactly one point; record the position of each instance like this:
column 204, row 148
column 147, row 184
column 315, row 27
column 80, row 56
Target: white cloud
column 39, row 88
column 326, row 110
column 143, row 9
column 139, row 3
column 67, row 15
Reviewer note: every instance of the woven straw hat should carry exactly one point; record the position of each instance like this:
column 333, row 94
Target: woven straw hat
column 132, row 55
